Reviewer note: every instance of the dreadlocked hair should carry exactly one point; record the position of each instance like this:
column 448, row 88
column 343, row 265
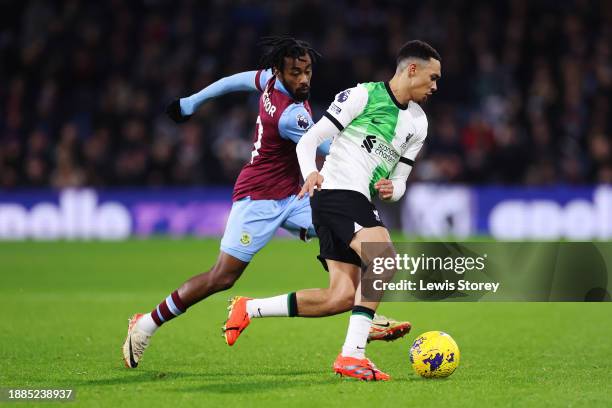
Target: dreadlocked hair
column 277, row 48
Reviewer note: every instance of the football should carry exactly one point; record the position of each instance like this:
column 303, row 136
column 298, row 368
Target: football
column 434, row 355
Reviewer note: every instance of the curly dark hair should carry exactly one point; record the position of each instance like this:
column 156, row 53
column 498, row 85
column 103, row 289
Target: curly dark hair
column 277, row 48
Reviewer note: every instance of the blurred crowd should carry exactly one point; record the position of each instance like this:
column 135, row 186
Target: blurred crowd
column 524, row 96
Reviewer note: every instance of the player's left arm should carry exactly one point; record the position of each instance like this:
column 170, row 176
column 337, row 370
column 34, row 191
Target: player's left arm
column 295, row 122
column 180, row 110
column 393, row 188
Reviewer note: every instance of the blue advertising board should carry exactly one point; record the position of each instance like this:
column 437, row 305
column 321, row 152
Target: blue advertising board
column 509, row 213
column 428, row 210
column 113, row 214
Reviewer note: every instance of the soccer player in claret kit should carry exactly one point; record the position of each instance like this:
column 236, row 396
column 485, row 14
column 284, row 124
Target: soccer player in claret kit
column 378, row 128
column 265, row 193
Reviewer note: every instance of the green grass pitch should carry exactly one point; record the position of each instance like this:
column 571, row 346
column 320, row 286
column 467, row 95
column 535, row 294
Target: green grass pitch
column 65, row 308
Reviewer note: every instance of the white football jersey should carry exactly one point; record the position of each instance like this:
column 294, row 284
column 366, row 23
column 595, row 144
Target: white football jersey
column 377, row 134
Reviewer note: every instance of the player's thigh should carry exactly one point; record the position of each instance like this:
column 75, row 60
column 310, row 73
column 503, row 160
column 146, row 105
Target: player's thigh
column 298, row 218
column 343, row 276
column 380, row 238
column 250, row 226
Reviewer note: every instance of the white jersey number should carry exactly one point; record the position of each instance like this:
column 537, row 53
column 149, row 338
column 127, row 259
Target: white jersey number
column 257, row 145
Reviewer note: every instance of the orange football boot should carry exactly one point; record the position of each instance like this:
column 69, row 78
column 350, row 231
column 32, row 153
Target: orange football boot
column 362, row 369
column 237, row 319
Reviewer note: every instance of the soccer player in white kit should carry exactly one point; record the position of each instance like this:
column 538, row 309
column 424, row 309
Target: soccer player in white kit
column 378, row 129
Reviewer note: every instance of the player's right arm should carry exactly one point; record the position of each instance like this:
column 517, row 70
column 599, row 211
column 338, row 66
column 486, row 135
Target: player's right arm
column 180, row 110
column 306, row 150
column 347, row 106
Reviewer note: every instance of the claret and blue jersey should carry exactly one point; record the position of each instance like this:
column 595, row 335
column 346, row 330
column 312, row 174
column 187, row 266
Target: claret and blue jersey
column 294, row 121
column 265, row 191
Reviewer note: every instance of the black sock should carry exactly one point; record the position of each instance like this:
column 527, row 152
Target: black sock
column 292, row 302
column 363, row 311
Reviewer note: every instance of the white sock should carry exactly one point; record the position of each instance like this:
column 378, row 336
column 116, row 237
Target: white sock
column 357, row 336
column 268, row 307
column 147, row 324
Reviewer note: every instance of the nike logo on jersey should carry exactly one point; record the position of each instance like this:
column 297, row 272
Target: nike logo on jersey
column 368, row 143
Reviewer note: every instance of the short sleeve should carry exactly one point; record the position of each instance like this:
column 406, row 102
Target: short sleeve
column 347, row 105
column 294, row 122
column 262, row 77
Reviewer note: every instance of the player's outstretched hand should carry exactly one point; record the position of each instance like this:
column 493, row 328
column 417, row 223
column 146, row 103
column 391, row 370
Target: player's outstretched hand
column 173, row 110
column 314, row 180
column 384, row 188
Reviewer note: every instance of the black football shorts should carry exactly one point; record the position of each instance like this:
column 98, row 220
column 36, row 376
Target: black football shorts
column 336, row 215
